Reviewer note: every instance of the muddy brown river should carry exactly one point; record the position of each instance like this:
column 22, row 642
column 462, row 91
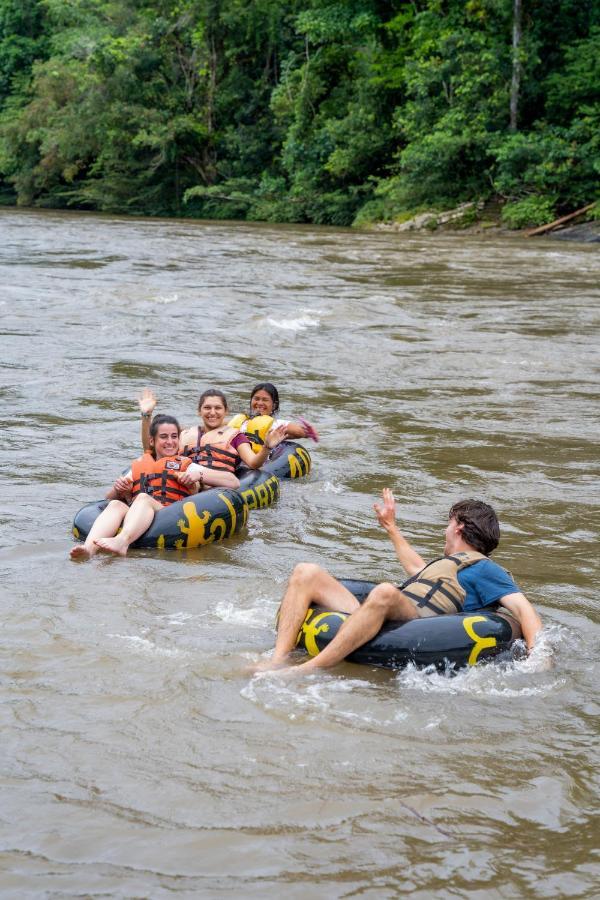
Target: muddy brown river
column 138, row 756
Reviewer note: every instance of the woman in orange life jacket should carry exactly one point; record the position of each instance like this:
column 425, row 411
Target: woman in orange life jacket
column 214, row 444
column 155, row 480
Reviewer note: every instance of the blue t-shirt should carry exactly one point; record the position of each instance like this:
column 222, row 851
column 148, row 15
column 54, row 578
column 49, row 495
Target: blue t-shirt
column 485, row 583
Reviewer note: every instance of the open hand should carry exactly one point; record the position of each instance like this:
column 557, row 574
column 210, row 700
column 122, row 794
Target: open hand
column 147, row 401
column 309, row 430
column 276, row 436
column 386, row 513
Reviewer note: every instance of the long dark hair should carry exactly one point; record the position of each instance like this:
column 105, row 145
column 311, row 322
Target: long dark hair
column 271, row 391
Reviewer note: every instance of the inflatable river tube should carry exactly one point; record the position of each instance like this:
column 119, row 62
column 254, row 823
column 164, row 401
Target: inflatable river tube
column 441, row 641
column 212, row 515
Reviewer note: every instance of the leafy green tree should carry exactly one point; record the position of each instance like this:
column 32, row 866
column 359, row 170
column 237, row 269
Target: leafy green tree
column 555, row 167
column 298, row 110
column 22, row 41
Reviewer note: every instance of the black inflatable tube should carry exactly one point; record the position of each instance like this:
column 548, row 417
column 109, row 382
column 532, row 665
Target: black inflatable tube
column 441, row 641
column 212, row 515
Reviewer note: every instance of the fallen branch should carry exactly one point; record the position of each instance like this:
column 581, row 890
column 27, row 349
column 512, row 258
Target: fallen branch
column 557, row 222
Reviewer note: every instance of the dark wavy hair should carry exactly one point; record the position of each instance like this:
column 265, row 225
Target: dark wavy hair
column 481, row 528
column 271, row 391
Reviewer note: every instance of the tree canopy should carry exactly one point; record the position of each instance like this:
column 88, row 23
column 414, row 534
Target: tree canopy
column 300, row 110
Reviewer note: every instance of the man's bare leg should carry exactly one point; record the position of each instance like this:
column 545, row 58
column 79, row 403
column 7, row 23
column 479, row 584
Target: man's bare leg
column 384, row 602
column 107, row 524
column 308, row 584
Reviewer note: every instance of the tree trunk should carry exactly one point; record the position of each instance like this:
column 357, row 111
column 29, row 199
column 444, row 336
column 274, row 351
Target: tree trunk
column 544, row 229
column 515, row 84
column 213, row 48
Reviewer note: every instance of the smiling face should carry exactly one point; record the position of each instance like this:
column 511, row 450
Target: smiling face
column 213, row 412
column 166, row 441
column 261, row 403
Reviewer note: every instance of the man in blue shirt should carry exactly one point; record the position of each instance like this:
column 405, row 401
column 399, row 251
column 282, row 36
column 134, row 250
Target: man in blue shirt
column 472, row 529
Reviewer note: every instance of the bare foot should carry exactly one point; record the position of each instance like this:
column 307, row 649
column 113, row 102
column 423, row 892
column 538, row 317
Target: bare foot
column 283, row 668
column 267, row 665
column 82, row 552
column 117, row 545
column 286, row 672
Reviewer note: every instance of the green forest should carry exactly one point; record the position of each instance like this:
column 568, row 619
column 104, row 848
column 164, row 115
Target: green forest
column 345, row 113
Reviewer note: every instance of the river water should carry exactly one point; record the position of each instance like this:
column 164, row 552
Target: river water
column 139, row 759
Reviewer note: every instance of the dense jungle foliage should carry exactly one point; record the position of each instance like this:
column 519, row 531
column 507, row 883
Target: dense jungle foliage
column 300, row 110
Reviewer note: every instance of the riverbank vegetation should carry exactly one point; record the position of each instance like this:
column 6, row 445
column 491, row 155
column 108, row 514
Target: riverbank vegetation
column 301, row 110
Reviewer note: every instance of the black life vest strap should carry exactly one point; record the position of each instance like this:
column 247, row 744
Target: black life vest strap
column 417, row 577
column 157, row 490
column 435, row 588
column 209, row 450
column 193, row 452
column 423, row 601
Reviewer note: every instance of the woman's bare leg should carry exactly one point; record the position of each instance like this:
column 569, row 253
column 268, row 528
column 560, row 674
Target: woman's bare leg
column 106, row 525
column 308, row 584
column 138, row 519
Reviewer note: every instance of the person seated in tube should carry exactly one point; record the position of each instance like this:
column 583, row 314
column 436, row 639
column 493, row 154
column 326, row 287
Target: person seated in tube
column 213, row 443
column 472, row 528
column 264, row 406
column 147, row 487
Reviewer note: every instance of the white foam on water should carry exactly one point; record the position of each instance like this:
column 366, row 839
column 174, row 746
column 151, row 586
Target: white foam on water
column 320, row 697
column 166, row 300
column 254, row 616
column 510, row 677
column 179, row 618
column 491, row 680
column 363, row 703
column 328, row 487
column 299, row 323
column 143, row 645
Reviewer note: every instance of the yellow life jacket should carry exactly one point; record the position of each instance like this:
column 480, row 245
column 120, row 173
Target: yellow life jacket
column 238, row 421
column 255, row 428
column 436, row 589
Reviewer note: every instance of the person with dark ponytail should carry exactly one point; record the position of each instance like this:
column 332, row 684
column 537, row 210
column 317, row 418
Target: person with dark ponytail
column 262, row 418
column 155, row 480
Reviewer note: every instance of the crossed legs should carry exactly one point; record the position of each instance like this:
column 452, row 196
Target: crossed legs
column 312, row 584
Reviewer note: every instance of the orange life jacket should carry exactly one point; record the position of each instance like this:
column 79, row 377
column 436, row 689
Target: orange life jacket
column 214, row 449
column 157, row 478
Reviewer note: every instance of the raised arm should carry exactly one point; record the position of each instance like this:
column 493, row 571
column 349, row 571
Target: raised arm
column 295, row 430
column 525, row 614
column 409, row 559
column 302, row 429
column 147, row 402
